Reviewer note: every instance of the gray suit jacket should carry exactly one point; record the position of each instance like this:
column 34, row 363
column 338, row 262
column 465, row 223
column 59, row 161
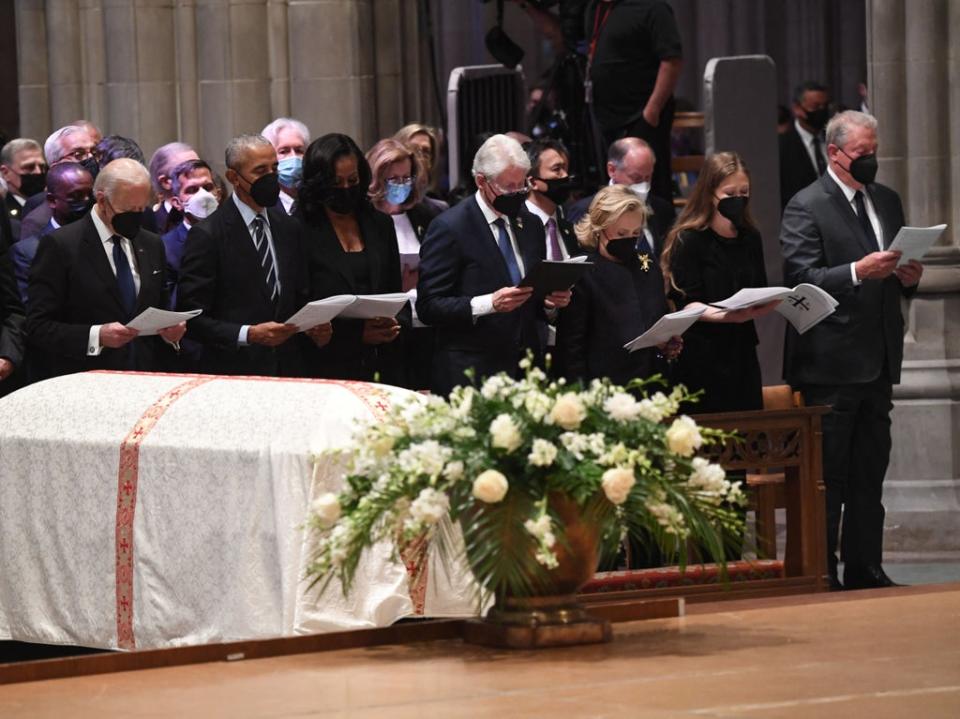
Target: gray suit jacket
column 820, row 236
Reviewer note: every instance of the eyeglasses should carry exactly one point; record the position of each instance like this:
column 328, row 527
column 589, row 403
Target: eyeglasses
column 524, row 189
column 80, row 154
column 405, row 180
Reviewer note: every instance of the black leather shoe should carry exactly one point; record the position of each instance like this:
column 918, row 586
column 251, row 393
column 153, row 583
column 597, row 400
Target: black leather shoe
column 867, row 577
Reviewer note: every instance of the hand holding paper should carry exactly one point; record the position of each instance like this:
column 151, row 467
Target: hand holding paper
column 666, row 328
column 152, row 320
column 320, row 312
column 913, row 242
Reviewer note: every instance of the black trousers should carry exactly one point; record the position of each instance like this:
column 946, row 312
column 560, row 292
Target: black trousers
column 856, row 452
column 658, row 138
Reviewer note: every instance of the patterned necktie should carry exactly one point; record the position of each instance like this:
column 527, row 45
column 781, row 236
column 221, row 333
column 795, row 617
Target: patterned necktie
column 553, row 244
column 506, row 249
column 865, row 219
column 266, row 257
column 818, row 156
column 128, row 290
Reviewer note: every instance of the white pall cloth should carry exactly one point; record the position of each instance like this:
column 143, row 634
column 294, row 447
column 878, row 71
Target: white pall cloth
column 148, row 510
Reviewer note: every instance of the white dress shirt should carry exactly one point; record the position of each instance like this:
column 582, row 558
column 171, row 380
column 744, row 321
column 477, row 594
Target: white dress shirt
column 483, row 304
column 545, row 218
column 407, row 244
column 248, row 215
column 93, row 340
column 287, row 201
column 850, row 193
column 807, row 139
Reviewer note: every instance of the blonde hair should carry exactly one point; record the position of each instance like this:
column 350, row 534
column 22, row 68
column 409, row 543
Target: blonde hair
column 406, row 133
column 381, row 156
column 608, row 206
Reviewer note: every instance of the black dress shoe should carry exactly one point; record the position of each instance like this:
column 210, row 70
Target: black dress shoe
column 867, row 577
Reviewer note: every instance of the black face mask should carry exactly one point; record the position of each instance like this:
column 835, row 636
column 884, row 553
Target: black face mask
column 343, row 200
column 623, row 248
column 78, row 209
column 91, row 166
column 733, row 208
column 509, row 204
column 265, row 190
column 863, row 169
column 817, row 119
column 558, row 189
column 32, row 184
column 128, row 223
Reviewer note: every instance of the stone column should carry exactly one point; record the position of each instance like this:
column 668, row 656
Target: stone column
column 914, row 82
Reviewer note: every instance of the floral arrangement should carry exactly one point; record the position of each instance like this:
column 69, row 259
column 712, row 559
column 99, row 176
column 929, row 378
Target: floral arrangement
column 490, row 457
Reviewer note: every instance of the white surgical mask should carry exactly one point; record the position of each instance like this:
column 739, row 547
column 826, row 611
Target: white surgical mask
column 641, row 189
column 201, row 204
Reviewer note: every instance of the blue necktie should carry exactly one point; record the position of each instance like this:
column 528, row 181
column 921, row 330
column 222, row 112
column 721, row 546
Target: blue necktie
column 128, row 290
column 266, row 257
column 644, row 248
column 506, row 249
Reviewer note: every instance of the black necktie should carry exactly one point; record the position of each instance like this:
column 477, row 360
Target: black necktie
column 818, row 156
column 865, row 219
column 128, row 290
column 266, row 258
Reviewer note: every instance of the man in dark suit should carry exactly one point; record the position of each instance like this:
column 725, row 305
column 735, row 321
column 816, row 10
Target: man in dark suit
column 471, row 262
column 631, row 162
column 834, row 234
column 11, row 325
column 69, row 196
column 23, row 168
column 162, row 162
column 803, row 155
column 91, row 277
column 246, row 268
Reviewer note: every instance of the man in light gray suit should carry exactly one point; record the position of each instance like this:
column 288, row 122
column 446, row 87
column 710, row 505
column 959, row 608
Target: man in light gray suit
column 834, row 235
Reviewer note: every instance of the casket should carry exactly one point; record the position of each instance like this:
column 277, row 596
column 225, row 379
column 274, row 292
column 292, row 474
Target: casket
column 150, row 510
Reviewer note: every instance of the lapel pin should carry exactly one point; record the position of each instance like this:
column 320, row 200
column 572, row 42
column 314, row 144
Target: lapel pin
column 644, row 261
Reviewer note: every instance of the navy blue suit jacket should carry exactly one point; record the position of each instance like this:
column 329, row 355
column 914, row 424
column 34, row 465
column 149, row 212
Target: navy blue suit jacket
column 22, row 255
column 174, row 243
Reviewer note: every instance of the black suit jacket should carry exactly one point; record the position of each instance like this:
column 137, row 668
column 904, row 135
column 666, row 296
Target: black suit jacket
column 220, row 273
column 863, row 339
column 11, row 313
column 72, row 287
column 346, row 357
column 796, row 169
column 459, row 260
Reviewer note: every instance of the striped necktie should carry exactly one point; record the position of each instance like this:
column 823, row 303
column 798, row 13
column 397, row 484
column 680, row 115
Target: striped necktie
column 266, row 257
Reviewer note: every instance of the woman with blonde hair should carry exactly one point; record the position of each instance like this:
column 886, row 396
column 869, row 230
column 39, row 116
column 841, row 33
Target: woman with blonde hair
column 618, row 299
column 714, row 250
column 425, row 141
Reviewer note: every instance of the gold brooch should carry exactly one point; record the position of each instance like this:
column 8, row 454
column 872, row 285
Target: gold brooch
column 519, row 222
column 644, row 261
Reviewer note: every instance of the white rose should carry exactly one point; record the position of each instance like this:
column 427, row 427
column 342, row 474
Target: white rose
column 490, row 486
column 617, row 483
column 708, row 478
column 568, row 411
column 683, row 437
column 429, row 506
column 505, row 433
column 542, row 453
column 327, row 509
column 621, row 407
column 453, row 471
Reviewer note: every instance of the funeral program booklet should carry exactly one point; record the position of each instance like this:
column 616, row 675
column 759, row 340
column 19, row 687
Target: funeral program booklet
column 913, row 242
column 319, row 312
column 152, row 320
column 369, row 306
column 552, row 276
column 665, row 328
column 803, row 306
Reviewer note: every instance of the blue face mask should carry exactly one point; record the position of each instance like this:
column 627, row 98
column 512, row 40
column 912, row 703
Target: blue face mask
column 398, row 192
column 291, row 171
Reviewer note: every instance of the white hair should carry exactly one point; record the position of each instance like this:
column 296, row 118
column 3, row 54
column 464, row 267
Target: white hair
column 53, row 147
column 273, row 130
column 840, row 124
column 122, row 172
column 498, row 154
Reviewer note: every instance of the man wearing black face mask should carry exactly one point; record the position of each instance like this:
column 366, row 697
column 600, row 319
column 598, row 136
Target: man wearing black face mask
column 834, row 234
column 803, row 154
column 69, row 196
column 245, row 267
column 472, row 260
column 550, row 185
column 91, row 277
column 23, row 169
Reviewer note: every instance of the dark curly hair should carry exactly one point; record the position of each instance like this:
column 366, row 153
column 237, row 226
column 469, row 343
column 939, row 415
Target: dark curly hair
column 319, row 171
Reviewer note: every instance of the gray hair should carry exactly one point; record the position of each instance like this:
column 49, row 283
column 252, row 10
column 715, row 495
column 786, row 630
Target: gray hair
column 120, row 173
column 15, row 146
column 619, row 149
column 53, row 147
column 273, row 130
column 840, row 124
column 497, row 154
column 238, row 146
column 162, row 161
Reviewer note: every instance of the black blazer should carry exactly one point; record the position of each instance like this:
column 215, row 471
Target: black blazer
column 863, row 339
column 612, row 304
column 346, row 357
column 71, row 287
column 11, row 313
column 220, row 273
column 459, row 260
column 796, row 169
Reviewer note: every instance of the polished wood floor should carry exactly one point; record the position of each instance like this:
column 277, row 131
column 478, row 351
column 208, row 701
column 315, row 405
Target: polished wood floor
column 880, row 654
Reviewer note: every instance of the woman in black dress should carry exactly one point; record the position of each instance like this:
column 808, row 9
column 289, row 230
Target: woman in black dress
column 353, row 250
column 617, row 299
column 713, row 251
